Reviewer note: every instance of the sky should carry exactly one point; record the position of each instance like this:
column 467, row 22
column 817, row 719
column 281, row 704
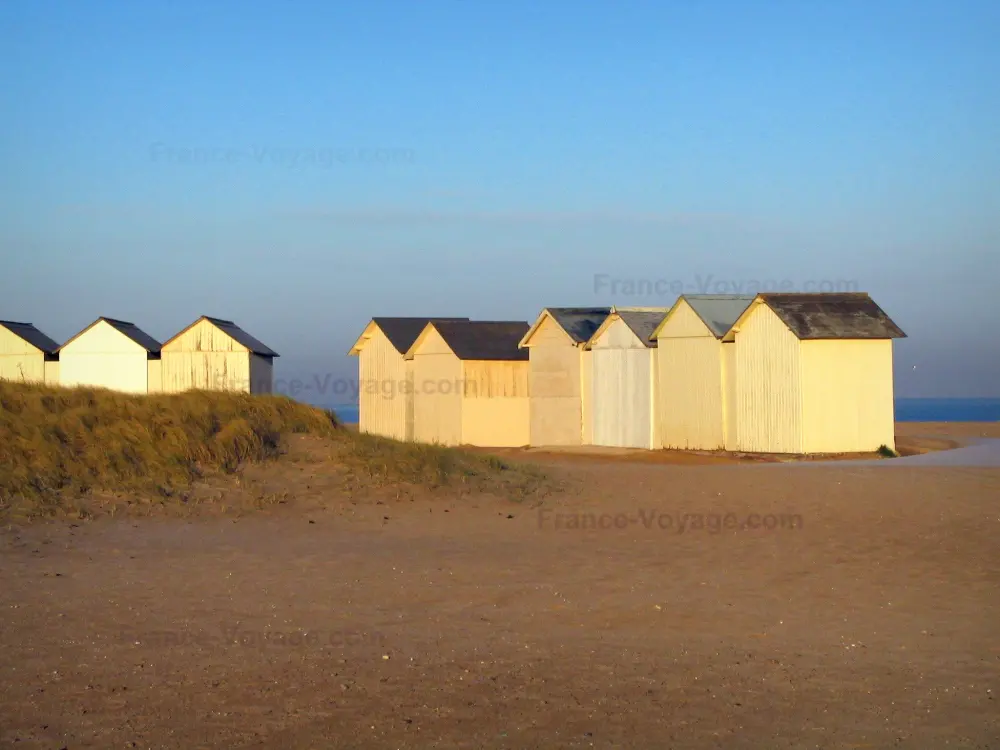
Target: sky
column 300, row 167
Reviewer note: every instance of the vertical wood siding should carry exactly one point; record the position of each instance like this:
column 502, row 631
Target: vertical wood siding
column 769, row 385
column 729, row 395
column 689, row 392
column 437, row 393
column 847, row 395
column 106, row 358
column 205, row 358
column 382, row 389
column 555, row 380
column 496, row 412
column 622, row 389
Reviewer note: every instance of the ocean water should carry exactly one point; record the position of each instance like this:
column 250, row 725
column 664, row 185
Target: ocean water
column 907, row 410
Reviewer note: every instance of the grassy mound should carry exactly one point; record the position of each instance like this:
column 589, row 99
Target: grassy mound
column 60, row 443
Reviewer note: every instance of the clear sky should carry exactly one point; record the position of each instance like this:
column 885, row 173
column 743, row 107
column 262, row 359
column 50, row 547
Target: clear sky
column 300, row 167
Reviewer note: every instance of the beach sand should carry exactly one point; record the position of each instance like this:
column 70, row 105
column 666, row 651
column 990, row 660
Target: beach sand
column 867, row 617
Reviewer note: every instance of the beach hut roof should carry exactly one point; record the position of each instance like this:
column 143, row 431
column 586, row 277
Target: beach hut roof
column 717, row 311
column 479, row 339
column 32, row 335
column 832, row 315
column 642, row 321
column 131, row 330
column 234, row 332
column 579, row 323
column 401, row 332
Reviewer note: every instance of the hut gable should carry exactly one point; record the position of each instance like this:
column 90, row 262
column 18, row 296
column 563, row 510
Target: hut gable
column 847, row 315
column 32, row 336
column 131, row 331
column 202, row 336
column 401, row 332
column 477, row 339
column 718, row 312
column 640, row 321
column 578, row 323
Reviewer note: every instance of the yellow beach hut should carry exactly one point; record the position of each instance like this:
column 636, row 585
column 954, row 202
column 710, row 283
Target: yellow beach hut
column 113, row 354
column 559, row 373
column 814, row 374
column 623, row 374
column 696, row 372
column 27, row 355
column 385, row 376
column 470, row 384
column 217, row 355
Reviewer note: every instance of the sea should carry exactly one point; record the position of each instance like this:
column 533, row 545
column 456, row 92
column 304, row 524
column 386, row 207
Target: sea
column 907, row 410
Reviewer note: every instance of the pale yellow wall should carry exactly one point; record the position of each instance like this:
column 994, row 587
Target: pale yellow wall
column 587, row 396
column 52, row 372
column 555, row 377
column 496, row 412
column 768, row 385
column 19, row 360
column 382, row 389
column 207, row 358
column 729, row 395
column 154, row 373
column 689, row 388
column 104, row 357
column 261, row 374
column 622, row 389
column 847, row 395
column 437, row 393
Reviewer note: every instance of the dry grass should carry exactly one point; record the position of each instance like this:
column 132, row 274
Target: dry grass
column 59, row 444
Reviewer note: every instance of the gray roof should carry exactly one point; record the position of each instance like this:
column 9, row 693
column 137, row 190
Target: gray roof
column 238, row 334
column 718, row 311
column 32, row 335
column 579, row 322
column 402, row 332
column 847, row 315
column 642, row 322
column 484, row 339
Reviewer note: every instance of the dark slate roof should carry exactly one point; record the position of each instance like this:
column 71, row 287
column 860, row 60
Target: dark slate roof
column 579, row 322
column 402, row 332
column 135, row 333
column 484, row 339
column 32, row 335
column 642, row 322
column 847, row 315
column 238, row 334
column 719, row 311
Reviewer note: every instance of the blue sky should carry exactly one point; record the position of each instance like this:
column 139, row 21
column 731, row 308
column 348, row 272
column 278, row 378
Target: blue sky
column 302, row 166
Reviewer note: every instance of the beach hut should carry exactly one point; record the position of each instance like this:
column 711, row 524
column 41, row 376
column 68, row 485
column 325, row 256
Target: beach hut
column 27, row 355
column 696, row 372
column 385, row 376
column 217, row 355
column 814, row 374
column 470, row 384
column 559, row 373
column 112, row 354
column 623, row 373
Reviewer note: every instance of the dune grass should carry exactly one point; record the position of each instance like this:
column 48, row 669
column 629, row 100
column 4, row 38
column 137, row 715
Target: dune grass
column 57, row 444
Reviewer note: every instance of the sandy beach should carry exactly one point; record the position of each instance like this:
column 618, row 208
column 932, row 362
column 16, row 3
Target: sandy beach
column 639, row 605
